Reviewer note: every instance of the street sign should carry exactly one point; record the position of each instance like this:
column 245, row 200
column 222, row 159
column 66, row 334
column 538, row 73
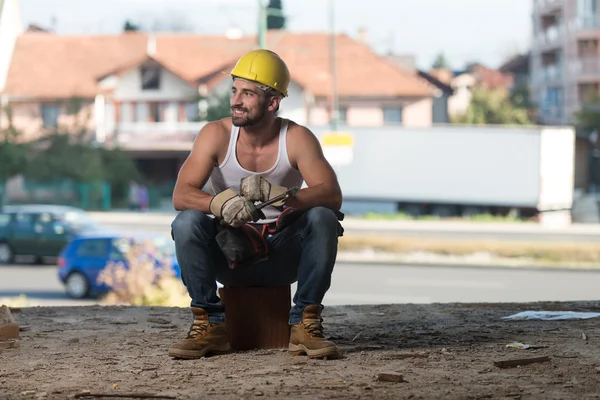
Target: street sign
column 338, row 147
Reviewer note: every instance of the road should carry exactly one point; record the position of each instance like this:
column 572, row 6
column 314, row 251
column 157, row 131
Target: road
column 371, row 284
column 161, row 222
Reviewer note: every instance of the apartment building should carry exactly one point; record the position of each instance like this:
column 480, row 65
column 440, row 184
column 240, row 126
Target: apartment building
column 565, row 57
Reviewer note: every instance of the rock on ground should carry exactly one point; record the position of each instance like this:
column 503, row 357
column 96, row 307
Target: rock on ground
column 439, row 351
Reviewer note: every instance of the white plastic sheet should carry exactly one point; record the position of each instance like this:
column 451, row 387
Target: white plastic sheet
column 552, row 315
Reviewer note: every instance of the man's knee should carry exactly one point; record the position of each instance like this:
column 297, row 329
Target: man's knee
column 324, row 218
column 190, row 222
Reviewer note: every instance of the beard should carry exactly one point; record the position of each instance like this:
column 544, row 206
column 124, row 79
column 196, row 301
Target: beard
column 247, row 119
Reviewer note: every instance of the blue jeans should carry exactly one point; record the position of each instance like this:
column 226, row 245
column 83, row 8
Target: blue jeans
column 304, row 252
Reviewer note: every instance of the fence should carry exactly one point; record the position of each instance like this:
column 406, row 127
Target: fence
column 96, row 196
column 88, row 196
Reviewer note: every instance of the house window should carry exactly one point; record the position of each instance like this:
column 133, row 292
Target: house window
column 50, row 113
column 587, row 11
column 150, row 77
column 343, row 115
column 192, row 112
column 392, row 115
column 156, row 112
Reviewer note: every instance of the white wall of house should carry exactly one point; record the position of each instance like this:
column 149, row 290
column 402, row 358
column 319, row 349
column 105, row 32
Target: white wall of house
column 318, row 116
column 11, row 27
column 409, row 113
column 364, row 115
column 294, row 106
column 129, row 88
column 459, row 102
column 418, row 114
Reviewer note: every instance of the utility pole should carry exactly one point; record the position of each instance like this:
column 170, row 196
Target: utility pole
column 262, row 24
column 333, row 69
column 263, row 12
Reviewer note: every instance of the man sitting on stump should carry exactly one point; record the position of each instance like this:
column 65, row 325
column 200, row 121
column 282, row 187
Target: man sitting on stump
column 244, row 161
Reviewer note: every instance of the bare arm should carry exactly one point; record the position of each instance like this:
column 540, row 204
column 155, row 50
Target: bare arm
column 323, row 187
column 196, row 170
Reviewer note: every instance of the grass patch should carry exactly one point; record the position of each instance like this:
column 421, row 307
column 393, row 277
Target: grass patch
column 474, row 218
column 552, row 252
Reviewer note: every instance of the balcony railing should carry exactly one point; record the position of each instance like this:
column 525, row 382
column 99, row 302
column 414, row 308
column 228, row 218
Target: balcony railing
column 587, row 22
column 159, row 128
column 543, row 6
column 551, row 36
column 548, row 74
column 552, row 73
column 585, row 66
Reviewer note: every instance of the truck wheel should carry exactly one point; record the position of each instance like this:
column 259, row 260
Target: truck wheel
column 444, row 211
column 412, row 210
column 6, row 253
column 77, row 285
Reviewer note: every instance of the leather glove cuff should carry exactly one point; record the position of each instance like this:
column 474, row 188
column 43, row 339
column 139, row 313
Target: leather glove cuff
column 217, row 204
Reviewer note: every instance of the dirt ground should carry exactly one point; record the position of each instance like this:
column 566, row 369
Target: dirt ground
column 442, row 351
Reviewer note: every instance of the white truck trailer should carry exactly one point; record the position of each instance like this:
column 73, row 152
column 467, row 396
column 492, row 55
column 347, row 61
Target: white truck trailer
column 456, row 170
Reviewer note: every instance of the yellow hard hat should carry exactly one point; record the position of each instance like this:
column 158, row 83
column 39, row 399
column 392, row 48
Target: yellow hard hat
column 265, row 67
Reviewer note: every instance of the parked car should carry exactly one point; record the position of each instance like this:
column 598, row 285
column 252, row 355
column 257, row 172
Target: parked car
column 40, row 231
column 86, row 256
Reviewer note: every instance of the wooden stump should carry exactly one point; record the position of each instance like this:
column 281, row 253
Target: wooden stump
column 257, row 317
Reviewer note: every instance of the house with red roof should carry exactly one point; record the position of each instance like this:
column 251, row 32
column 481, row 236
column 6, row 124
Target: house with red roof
column 121, row 86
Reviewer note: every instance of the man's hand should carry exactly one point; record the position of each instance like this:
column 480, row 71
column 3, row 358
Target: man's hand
column 234, row 210
column 257, row 188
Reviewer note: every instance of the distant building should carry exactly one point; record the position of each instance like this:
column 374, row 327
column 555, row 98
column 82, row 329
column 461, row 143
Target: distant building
column 565, row 57
column 519, row 68
column 462, row 82
column 442, row 90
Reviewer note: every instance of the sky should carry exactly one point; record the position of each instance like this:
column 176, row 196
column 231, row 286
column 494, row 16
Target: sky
column 487, row 31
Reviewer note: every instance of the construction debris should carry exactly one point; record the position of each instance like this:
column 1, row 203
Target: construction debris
column 390, row 377
column 123, row 395
column 9, row 329
column 522, row 346
column 521, row 361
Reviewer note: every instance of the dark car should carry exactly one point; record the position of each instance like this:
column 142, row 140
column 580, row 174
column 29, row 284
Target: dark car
column 40, row 231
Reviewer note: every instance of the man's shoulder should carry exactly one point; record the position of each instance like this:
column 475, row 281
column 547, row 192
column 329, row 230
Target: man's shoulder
column 213, row 137
column 298, row 130
column 215, row 131
column 218, row 127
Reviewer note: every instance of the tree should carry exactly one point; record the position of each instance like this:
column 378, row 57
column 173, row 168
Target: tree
column 588, row 117
column 62, row 156
column 119, row 169
column 130, row 27
column 493, row 106
column 12, row 153
column 440, row 62
column 520, row 97
column 218, row 107
column 275, row 17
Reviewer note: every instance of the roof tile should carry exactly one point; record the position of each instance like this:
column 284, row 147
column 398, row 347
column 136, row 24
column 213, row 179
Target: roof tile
column 53, row 66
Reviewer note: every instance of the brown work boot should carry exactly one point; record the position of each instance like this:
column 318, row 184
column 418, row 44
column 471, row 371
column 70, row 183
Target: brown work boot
column 307, row 337
column 203, row 338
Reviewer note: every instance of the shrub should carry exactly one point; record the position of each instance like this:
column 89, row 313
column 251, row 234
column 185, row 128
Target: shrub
column 145, row 278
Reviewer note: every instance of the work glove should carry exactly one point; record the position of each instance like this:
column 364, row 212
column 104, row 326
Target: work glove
column 257, row 188
column 234, row 210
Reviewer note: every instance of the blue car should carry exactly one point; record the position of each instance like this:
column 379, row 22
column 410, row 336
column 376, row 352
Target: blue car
column 86, row 256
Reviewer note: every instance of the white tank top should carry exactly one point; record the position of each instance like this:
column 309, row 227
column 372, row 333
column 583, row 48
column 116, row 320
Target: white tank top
column 230, row 172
